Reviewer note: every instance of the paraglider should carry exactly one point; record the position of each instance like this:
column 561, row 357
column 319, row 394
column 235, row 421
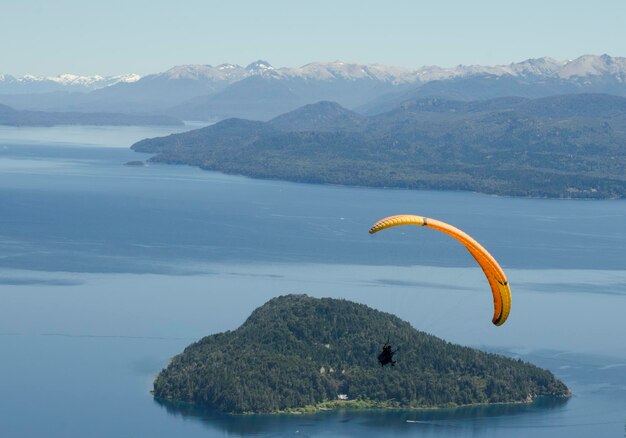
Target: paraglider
column 386, row 356
column 498, row 282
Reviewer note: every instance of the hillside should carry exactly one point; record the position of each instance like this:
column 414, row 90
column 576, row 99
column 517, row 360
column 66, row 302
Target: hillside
column 321, row 116
column 296, row 351
column 567, row 146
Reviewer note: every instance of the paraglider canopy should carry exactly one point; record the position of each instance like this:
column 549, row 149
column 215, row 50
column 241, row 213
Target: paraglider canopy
column 498, row 282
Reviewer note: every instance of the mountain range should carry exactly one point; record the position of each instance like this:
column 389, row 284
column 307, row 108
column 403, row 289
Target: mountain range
column 65, row 82
column 260, row 91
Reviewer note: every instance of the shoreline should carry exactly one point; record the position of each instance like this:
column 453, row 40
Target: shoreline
column 367, row 405
column 156, row 160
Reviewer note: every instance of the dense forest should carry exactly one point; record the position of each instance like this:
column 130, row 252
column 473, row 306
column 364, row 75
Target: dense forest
column 570, row 146
column 297, row 352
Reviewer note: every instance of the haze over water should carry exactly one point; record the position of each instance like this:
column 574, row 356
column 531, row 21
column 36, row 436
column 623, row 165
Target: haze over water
column 106, row 271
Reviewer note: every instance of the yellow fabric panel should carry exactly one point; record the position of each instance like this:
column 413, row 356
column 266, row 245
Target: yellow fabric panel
column 505, row 293
column 496, row 277
column 392, row 221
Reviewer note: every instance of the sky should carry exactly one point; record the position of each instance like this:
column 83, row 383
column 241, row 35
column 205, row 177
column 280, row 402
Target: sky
column 116, row 37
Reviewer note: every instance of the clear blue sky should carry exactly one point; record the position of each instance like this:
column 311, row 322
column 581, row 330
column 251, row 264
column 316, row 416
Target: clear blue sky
column 112, row 37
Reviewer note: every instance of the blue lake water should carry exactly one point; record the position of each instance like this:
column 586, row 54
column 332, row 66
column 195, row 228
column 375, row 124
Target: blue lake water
column 106, row 271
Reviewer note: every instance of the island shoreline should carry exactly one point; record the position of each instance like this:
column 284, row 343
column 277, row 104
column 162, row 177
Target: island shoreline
column 363, row 405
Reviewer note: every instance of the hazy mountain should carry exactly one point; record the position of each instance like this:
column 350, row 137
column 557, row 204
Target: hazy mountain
column 585, row 66
column 158, row 92
column 558, row 146
column 151, row 93
column 532, row 78
column 67, row 82
column 321, row 116
column 260, row 91
column 376, row 88
column 255, row 97
column 268, row 92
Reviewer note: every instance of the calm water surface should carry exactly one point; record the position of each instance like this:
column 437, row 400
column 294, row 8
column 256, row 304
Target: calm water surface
column 106, row 271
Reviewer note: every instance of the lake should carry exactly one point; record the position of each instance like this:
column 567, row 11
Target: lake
column 107, row 271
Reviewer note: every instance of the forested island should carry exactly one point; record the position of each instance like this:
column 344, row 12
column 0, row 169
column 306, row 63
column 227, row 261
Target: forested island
column 568, row 146
column 297, row 353
column 13, row 117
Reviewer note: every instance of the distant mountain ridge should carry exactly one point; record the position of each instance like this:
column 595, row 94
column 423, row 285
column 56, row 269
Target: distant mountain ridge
column 266, row 92
column 64, row 82
column 260, row 91
column 569, row 146
column 583, row 66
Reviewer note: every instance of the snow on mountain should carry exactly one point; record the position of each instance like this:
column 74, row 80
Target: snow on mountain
column 531, row 67
column 93, row 82
column 546, row 67
column 584, row 66
column 69, row 82
column 537, row 67
column 592, row 65
column 223, row 72
column 261, row 91
column 319, row 71
column 348, row 71
column 259, row 67
column 348, row 83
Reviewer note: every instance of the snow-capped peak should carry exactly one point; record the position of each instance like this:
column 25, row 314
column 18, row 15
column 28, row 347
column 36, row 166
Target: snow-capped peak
column 127, row 78
column 69, row 81
column 340, row 70
column 223, row 72
column 535, row 68
column 593, row 65
column 188, row 71
column 588, row 65
column 259, row 66
column 31, row 78
column 227, row 66
column 349, row 71
column 93, row 82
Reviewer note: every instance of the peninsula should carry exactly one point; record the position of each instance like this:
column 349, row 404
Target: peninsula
column 568, row 146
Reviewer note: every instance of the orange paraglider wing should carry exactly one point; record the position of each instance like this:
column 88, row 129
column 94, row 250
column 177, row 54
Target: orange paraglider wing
column 498, row 282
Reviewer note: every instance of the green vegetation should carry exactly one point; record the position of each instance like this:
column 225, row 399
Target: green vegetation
column 300, row 353
column 569, row 146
